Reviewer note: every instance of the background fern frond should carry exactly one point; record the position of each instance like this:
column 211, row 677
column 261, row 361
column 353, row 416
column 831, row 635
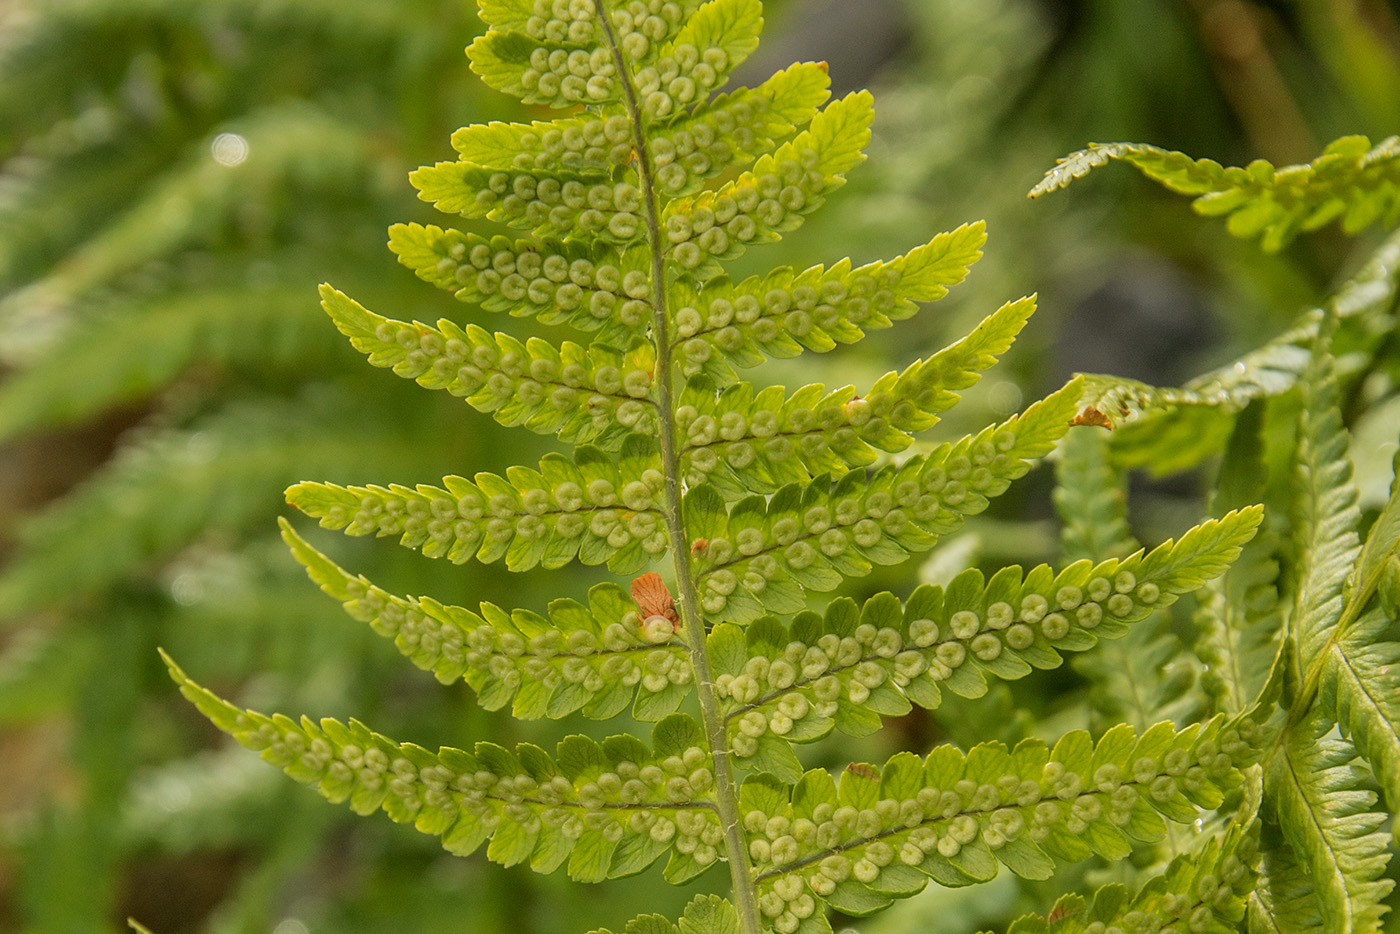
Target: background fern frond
column 1326, row 812
column 1351, row 180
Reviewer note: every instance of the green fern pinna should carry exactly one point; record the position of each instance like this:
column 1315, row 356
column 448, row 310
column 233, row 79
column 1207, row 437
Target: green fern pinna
column 751, row 499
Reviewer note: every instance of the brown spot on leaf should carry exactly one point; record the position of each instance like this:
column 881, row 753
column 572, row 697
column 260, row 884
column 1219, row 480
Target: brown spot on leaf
column 1092, row 416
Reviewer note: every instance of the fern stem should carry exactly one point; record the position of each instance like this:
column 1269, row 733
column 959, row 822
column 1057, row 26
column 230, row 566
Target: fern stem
column 687, row 597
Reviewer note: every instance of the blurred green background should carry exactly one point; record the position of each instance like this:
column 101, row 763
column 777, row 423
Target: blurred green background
column 176, row 176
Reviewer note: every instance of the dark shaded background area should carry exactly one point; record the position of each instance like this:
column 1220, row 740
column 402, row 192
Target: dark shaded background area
column 165, row 372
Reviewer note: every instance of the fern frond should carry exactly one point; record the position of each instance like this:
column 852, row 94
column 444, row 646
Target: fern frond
column 782, row 684
column 706, row 914
column 594, row 659
column 594, row 507
column 592, row 287
column 1239, row 618
column 163, row 491
column 1319, row 794
column 884, row 832
column 299, row 149
column 774, row 196
column 1090, row 499
column 563, row 61
column 140, row 344
column 765, row 554
column 1360, row 689
column 1206, row 890
column 579, row 394
column 733, row 129
column 741, row 441
column 1284, row 901
column 1326, row 514
column 610, row 809
column 1351, row 180
column 722, row 325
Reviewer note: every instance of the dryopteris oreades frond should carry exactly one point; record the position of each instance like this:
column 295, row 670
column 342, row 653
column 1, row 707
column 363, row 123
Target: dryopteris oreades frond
column 1239, row 618
column 1350, row 180
column 781, row 684
column 1318, row 792
column 744, row 441
column 706, row 914
column 594, row 287
column 1360, row 683
column 735, row 127
column 1317, row 786
column 1145, row 676
column 955, row 817
column 160, row 493
column 1091, row 499
column 594, row 507
column 610, row 809
column 578, row 394
column 1203, row 890
column 300, row 150
column 764, row 553
column 784, row 684
column 1284, row 900
column 593, row 659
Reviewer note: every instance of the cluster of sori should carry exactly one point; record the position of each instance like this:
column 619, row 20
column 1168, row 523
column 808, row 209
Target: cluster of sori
column 580, row 394
column 742, row 440
column 719, row 324
column 610, row 808
column 955, row 818
column 766, row 553
column 593, row 658
column 840, row 671
column 569, row 63
column 595, row 507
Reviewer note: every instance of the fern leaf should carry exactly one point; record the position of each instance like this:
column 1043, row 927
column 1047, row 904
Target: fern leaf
column 560, row 62
column 580, row 395
column 721, row 325
column 740, row 441
column 1285, row 900
column 1326, row 514
column 1360, row 689
column 595, row 658
column 1351, row 180
column 1318, row 792
column 1204, row 890
column 591, row 288
column 298, row 148
column 706, row 914
column 782, row 684
column 1239, row 620
column 883, row 832
column 766, row 554
column 1145, row 676
column 593, row 507
column 139, row 345
column 1090, row 499
column 611, row 809
column 162, row 492
column 733, row 129
column 773, row 197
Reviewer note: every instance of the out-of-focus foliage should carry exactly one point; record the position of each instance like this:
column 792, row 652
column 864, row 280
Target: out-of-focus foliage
column 176, row 177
